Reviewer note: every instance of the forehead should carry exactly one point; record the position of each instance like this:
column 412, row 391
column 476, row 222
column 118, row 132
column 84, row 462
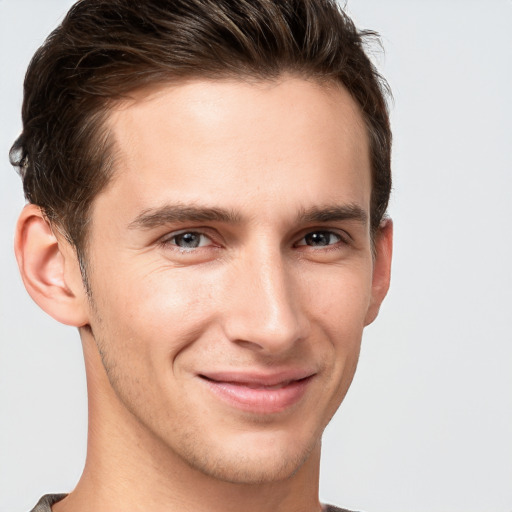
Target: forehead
column 240, row 143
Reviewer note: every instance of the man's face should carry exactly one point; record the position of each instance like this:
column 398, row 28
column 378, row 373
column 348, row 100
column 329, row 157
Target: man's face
column 230, row 264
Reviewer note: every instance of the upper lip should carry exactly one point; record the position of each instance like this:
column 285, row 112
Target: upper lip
column 258, row 378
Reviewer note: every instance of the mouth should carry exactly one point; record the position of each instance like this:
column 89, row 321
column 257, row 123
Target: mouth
column 257, row 393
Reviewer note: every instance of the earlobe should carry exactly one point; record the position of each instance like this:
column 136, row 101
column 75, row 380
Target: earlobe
column 49, row 269
column 381, row 268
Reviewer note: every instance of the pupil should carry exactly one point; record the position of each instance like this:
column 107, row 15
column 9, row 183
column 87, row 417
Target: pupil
column 189, row 240
column 319, row 238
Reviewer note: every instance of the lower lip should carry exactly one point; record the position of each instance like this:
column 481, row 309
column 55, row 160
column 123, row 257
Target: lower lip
column 260, row 400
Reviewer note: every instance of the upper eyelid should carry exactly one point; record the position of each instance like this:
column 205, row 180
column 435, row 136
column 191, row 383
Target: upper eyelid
column 168, row 237
column 198, row 230
column 215, row 236
column 343, row 237
column 342, row 233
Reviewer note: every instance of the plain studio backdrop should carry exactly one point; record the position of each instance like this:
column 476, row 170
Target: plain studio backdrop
column 427, row 425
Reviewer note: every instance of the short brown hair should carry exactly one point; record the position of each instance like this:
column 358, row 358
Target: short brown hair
column 104, row 49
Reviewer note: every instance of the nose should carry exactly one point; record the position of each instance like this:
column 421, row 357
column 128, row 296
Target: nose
column 266, row 310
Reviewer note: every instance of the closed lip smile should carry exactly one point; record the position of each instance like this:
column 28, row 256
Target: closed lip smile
column 258, row 392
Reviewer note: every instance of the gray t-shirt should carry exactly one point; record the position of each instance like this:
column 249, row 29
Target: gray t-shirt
column 45, row 503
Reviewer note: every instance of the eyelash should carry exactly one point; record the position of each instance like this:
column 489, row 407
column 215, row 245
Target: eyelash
column 323, row 232
column 168, row 240
column 342, row 239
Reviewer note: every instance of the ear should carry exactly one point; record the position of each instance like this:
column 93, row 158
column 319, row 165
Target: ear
column 381, row 268
column 49, row 268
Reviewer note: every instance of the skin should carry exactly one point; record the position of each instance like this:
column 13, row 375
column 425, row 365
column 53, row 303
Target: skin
column 271, row 181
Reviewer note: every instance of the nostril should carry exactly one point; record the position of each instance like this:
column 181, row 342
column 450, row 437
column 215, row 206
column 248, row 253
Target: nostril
column 251, row 345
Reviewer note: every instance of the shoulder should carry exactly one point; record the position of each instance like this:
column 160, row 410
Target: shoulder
column 46, row 502
column 331, row 508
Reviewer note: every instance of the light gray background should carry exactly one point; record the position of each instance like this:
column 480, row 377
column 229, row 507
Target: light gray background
column 427, row 425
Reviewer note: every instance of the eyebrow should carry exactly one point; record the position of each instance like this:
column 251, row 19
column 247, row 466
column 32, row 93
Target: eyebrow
column 333, row 213
column 168, row 214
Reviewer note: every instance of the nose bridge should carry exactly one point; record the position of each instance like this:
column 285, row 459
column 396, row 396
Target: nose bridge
column 266, row 312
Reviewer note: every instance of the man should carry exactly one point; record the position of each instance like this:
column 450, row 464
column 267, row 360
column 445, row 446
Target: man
column 207, row 185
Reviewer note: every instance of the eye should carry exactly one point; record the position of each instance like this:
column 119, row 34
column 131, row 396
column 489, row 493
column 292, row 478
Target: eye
column 320, row 239
column 188, row 240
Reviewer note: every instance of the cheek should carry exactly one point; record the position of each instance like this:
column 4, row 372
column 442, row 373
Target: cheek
column 157, row 314
column 338, row 311
column 339, row 300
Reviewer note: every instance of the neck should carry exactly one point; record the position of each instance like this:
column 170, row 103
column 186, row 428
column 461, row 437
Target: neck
column 128, row 468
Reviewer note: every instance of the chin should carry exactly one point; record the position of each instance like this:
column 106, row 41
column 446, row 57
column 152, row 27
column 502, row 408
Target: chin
column 253, row 471
column 257, row 462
